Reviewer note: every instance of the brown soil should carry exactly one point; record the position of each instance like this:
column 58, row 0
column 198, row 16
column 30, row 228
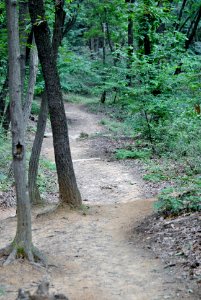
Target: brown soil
column 93, row 254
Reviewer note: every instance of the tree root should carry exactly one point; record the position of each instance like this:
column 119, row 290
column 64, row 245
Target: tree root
column 5, row 251
column 48, row 212
column 13, row 252
column 41, row 293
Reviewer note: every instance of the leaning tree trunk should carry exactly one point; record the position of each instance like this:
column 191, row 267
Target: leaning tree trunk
column 35, row 153
column 22, row 244
column 68, row 189
column 60, row 30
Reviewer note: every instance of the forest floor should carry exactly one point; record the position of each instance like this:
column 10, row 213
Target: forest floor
column 97, row 253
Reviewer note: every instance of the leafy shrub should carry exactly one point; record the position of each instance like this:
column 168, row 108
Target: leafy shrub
column 78, row 73
column 154, row 177
column 173, row 203
column 135, row 154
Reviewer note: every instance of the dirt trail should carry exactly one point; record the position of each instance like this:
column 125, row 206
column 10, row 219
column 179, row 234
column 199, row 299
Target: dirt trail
column 93, row 254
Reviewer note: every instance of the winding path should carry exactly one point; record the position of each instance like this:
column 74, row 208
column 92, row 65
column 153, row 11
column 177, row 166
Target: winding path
column 94, row 254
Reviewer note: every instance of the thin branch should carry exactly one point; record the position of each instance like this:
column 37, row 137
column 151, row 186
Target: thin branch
column 181, row 13
column 193, row 32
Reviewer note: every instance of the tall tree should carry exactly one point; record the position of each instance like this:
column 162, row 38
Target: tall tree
column 69, row 193
column 22, row 244
column 62, row 26
column 130, row 39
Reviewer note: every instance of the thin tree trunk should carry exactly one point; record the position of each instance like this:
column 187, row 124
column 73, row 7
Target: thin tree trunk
column 147, row 45
column 68, row 189
column 180, row 14
column 194, row 29
column 23, row 13
column 22, row 244
column 191, row 34
column 23, row 235
column 3, row 94
column 104, row 94
column 33, row 68
column 6, row 118
column 130, row 40
column 35, row 153
column 4, row 111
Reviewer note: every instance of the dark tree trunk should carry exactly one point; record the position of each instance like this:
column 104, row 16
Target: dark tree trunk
column 60, row 30
column 103, row 97
column 180, row 14
column 68, row 189
column 191, row 35
column 147, row 45
column 194, row 29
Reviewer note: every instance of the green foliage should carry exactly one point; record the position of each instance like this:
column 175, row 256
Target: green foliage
column 134, row 154
column 20, row 252
column 112, row 125
column 83, row 135
column 40, row 85
column 46, row 179
column 79, row 99
column 159, row 110
column 47, row 164
column 2, row 291
column 84, row 209
column 154, row 177
column 5, row 160
column 80, row 77
column 173, row 202
column 35, row 108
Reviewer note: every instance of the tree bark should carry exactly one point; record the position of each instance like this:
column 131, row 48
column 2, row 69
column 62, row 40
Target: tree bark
column 104, row 94
column 68, row 189
column 4, row 111
column 23, row 13
column 3, row 94
column 22, row 244
column 35, row 153
column 33, row 68
column 194, row 29
column 180, row 14
column 130, row 40
column 60, row 30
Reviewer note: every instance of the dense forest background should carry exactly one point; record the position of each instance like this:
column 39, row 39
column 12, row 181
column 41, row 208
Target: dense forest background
column 130, row 74
column 139, row 62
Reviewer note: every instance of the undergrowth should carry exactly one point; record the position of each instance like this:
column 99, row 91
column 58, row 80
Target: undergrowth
column 46, row 175
column 172, row 156
column 5, row 160
column 35, row 108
